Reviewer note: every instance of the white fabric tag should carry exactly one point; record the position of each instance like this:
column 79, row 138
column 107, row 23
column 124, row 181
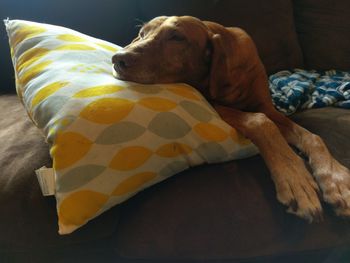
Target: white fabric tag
column 46, row 178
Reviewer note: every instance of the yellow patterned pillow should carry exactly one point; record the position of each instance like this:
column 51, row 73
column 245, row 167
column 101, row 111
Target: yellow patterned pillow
column 109, row 139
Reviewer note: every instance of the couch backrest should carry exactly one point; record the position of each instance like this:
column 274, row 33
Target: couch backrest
column 323, row 28
column 270, row 23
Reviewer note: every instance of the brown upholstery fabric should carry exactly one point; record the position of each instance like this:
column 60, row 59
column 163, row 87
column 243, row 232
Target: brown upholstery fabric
column 209, row 213
column 28, row 220
column 230, row 210
column 323, row 28
column 275, row 36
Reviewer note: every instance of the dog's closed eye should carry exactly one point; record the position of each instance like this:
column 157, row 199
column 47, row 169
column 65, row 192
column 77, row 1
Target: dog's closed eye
column 176, row 36
column 142, row 33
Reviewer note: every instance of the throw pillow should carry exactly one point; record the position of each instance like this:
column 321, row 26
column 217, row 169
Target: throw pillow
column 109, row 139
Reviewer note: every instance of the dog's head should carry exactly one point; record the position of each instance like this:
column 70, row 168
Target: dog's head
column 167, row 49
column 172, row 49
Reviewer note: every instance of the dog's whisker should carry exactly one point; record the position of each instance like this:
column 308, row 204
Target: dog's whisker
column 140, row 22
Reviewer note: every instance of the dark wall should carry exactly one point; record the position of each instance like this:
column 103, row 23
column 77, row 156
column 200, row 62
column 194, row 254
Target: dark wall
column 270, row 25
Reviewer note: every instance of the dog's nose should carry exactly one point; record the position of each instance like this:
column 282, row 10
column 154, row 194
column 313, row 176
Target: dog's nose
column 122, row 60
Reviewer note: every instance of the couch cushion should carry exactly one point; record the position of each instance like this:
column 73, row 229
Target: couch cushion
column 28, row 220
column 270, row 25
column 231, row 214
column 323, row 28
column 229, row 210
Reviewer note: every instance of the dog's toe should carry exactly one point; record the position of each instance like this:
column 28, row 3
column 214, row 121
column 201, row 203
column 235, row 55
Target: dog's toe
column 312, row 212
column 342, row 212
column 299, row 192
column 293, row 204
column 335, row 185
column 318, row 216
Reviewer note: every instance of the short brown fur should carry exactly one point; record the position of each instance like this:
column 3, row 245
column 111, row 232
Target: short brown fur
column 223, row 64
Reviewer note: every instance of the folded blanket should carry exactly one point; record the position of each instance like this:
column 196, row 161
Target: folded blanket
column 302, row 89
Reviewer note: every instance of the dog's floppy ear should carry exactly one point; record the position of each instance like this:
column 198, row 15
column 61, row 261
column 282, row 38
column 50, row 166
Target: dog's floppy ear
column 221, row 55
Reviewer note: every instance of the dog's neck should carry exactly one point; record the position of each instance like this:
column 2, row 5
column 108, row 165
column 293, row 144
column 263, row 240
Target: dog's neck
column 237, row 94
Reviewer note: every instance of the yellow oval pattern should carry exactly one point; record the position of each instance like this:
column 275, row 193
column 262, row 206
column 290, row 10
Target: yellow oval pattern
column 70, row 38
column 80, row 206
column 68, row 148
column 173, row 149
column 157, row 103
column 74, row 47
column 133, row 183
column 239, row 138
column 130, row 158
column 184, row 92
column 107, row 110
column 97, row 91
column 12, row 51
column 47, row 91
column 210, row 132
column 33, row 72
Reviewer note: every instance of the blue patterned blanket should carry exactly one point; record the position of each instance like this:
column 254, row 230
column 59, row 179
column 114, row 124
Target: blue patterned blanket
column 302, row 89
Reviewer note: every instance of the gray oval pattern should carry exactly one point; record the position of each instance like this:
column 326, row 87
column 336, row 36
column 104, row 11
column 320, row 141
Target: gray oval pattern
column 120, row 132
column 196, row 111
column 169, row 126
column 212, row 152
column 78, row 176
column 146, row 89
column 48, row 108
column 173, row 168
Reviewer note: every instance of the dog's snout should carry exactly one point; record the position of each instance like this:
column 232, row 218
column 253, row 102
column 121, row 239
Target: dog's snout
column 122, row 60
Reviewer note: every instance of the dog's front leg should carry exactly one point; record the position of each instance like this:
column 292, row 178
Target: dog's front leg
column 332, row 177
column 295, row 186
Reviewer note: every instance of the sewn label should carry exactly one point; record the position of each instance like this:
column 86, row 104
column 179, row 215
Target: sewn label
column 46, row 178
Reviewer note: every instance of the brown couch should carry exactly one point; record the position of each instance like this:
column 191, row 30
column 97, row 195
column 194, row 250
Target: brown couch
column 213, row 213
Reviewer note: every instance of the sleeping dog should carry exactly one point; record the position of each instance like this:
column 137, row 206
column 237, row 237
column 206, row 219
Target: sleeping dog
column 223, row 64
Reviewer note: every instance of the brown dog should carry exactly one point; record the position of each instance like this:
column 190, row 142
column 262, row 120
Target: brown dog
column 223, row 64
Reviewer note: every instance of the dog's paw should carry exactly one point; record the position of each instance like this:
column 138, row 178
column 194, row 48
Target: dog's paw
column 297, row 189
column 335, row 185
